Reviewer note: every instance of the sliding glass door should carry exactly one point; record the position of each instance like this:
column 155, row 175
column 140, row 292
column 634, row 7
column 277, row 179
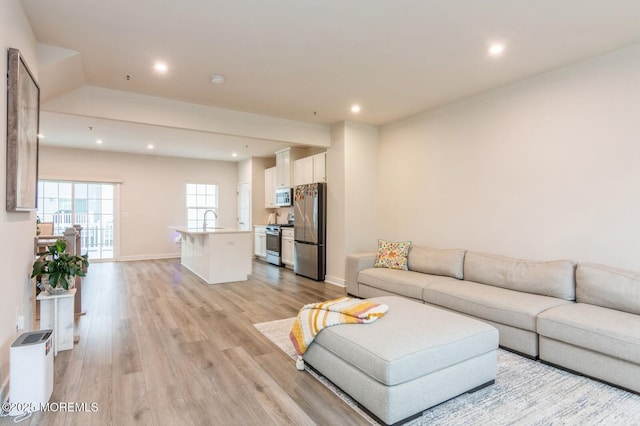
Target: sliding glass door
column 88, row 204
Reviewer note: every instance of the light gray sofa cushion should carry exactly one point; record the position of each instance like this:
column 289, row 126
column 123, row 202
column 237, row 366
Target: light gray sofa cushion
column 403, row 283
column 599, row 329
column 355, row 264
column 509, row 307
column 554, row 278
column 608, row 287
column 448, row 262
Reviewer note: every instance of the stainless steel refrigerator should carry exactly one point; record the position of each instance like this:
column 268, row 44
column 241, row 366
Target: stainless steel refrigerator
column 309, row 230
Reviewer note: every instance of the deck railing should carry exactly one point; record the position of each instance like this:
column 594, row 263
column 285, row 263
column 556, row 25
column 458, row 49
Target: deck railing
column 95, row 237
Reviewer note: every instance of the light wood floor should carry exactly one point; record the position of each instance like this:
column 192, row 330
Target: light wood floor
column 159, row 346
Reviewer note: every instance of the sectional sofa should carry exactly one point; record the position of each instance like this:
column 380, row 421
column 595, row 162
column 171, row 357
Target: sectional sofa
column 582, row 317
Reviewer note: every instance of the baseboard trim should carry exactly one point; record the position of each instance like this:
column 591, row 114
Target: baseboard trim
column 334, row 281
column 149, row 257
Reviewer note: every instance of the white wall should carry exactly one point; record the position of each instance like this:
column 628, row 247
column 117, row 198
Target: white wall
column 352, row 202
column 335, row 255
column 259, row 214
column 17, row 229
column 244, row 170
column 152, row 195
column 361, row 187
column 545, row 168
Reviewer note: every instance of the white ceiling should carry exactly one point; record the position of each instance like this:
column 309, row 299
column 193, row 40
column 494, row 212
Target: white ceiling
column 311, row 60
column 135, row 138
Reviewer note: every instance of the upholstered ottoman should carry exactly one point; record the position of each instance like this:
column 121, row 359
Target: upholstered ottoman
column 413, row 358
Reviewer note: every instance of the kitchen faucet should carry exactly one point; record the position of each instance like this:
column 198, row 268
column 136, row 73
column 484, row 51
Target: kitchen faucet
column 204, row 220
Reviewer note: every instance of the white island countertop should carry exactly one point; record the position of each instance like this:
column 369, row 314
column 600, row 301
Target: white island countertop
column 209, row 230
column 217, row 255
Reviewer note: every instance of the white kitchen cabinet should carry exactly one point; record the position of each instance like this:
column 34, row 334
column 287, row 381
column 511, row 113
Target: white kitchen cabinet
column 270, row 184
column 310, row 169
column 208, row 253
column 283, row 167
column 303, row 171
column 260, row 241
column 284, row 164
column 287, row 247
column 320, row 167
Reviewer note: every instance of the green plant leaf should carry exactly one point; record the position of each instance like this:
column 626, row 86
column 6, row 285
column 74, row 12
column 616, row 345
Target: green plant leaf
column 61, row 267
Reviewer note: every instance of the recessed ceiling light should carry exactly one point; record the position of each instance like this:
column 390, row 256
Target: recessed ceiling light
column 355, row 109
column 234, row 154
column 160, row 67
column 496, row 49
column 217, row 79
column 150, row 146
column 99, row 141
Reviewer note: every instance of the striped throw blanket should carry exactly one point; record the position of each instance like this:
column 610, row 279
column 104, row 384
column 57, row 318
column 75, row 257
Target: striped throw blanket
column 313, row 317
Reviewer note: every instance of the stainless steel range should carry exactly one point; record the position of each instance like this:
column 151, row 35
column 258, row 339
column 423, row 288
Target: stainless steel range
column 274, row 243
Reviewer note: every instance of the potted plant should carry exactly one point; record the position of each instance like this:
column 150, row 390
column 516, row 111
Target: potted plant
column 58, row 269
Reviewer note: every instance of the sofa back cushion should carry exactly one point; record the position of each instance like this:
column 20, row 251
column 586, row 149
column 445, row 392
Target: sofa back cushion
column 448, row 263
column 555, row 278
column 608, row 287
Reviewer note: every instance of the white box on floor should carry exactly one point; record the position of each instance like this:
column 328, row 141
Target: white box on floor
column 30, row 371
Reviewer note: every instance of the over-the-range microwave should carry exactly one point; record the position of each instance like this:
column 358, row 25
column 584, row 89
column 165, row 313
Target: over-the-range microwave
column 284, row 197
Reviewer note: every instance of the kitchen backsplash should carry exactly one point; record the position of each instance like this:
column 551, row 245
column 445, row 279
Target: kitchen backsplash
column 281, row 218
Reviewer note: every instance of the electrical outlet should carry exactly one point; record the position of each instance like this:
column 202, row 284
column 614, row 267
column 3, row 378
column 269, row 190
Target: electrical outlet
column 20, row 322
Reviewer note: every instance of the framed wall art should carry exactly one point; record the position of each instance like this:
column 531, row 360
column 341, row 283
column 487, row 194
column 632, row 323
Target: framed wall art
column 23, row 119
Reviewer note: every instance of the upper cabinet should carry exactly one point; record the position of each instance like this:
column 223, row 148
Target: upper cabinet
column 303, row 171
column 270, row 184
column 284, row 164
column 310, row 169
column 320, row 167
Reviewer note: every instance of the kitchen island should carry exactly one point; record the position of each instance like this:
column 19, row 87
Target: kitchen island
column 217, row 255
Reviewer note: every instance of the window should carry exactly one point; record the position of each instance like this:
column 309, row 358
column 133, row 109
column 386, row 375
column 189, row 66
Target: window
column 88, row 204
column 200, row 198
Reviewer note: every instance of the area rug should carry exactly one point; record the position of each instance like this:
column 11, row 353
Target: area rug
column 526, row 392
